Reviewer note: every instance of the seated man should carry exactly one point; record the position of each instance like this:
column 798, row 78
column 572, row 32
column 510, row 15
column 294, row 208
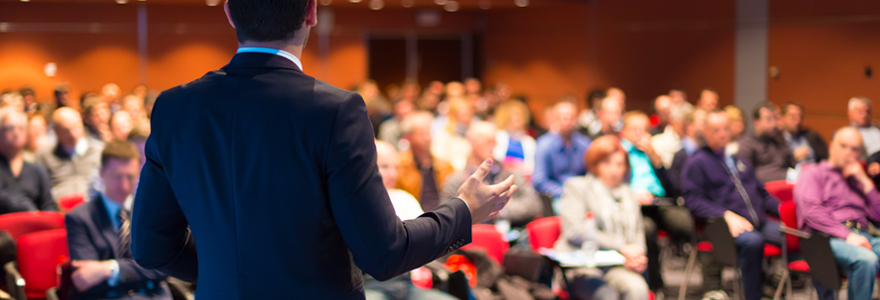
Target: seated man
column 560, row 154
column 23, row 186
column 525, row 203
column 649, row 181
column 766, row 149
column 691, row 142
column 717, row 185
column 99, row 236
column 405, row 207
column 837, row 197
column 74, row 161
column 421, row 174
column 807, row 145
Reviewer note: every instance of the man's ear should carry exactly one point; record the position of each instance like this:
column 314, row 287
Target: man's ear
column 228, row 16
column 312, row 14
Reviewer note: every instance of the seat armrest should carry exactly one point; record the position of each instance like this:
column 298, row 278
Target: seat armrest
column 798, row 233
column 52, row 294
column 14, row 282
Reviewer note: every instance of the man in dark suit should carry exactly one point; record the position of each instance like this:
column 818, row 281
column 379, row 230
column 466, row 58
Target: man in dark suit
column 98, row 236
column 274, row 173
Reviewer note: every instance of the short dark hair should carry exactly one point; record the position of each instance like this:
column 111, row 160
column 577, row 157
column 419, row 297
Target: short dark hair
column 267, row 20
column 789, row 105
column 756, row 112
column 119, row 150
column 26, row 91
column 593, row 95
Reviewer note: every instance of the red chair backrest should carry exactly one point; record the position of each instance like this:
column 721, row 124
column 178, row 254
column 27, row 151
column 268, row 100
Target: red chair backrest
column 788, row 216
column 486, row 237
column 544, row 232
column 39, row 255
column 69, row 202
column 781, row 189
column 22, row 223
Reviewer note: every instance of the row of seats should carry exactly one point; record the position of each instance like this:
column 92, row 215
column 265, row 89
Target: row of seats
column 41, row 246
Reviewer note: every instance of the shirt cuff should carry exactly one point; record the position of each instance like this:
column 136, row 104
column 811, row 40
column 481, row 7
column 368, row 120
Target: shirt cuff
column 114, row 273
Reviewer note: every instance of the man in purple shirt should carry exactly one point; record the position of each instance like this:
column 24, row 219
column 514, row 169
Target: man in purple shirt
column 837, row 197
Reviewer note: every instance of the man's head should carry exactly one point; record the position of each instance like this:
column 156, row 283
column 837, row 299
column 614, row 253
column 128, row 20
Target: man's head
column 636, row 126
column 717, row 130
column 416, row 129
column 286, row 21
column 859, row 111
column 454, row 89
column 472, row 86
column 13, row 131
column 134, row 105
column 403, row 108
column 677, row 116
column 616, row 93
column 120, row 165
column 36, row 132
column 565, row 114
column 708, row 99
column 12, row 101
column 662, row 105
column 846, row 147
column 62, row 95
column 678, row 96
column 594, row 98
column 609, row 112
column 121, row 124
column 386, row 159
column 694, row 123
column 481, row 136
column 110, row 92
column 737, row 124
column 30, row 97
column 792, row 117
column 68, row 127
column 96, row 112
column 765, row 119
column 138, row 136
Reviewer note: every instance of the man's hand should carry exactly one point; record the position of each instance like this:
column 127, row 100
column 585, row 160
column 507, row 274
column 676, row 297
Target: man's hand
column 858, row 240
column 855, row 170
column 801, row 153
column 737, row 224
column 874, row 169
column 644, row 144
column 483, row 200
column 90, row 273
column 636, row 260
column 644, row 197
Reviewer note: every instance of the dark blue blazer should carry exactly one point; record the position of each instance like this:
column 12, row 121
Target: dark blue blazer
column 91, row 236
column 274, row 172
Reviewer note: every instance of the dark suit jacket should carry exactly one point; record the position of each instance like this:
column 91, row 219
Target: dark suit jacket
column 91, row 236
column 675, row 170
column 275, row 174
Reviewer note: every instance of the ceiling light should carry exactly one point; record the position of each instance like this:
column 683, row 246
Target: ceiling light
column 25, row 0
column 354, row 1
column 121, row 1
column 440, row 2
column 451, row 6
column 326, row 2
column 208, row 2
column 521, row 3
column 376, row 4
column 407, row 3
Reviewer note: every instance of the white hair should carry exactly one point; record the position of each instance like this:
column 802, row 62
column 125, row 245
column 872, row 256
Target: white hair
column 6, row 112
column 419, row 118
column 855, row 100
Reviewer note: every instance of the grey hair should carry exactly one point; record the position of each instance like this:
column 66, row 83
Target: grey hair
column 859, row 99
column 9, row 111
column 408, row 124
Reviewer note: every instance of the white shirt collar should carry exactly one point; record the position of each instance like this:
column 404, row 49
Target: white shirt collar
column 278, row 52
column 81, row 147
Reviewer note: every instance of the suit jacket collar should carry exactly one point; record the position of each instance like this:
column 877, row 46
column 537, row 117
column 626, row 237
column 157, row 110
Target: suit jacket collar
column 98, row 212
column 260, row 60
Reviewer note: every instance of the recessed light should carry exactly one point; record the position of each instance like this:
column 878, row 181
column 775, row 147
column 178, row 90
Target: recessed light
column 451, row 6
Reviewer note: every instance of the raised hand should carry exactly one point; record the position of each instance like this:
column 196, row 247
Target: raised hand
column 484, row 201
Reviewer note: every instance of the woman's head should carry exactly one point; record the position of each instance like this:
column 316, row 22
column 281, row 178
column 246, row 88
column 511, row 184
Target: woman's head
column 607, row 160
column 512, row 115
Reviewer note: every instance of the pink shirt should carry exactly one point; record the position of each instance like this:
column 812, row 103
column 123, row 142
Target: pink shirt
column 825, row 200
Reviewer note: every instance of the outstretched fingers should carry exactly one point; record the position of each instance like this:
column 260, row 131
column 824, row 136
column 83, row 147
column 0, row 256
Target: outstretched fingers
column 501, row 187
column 483, row 170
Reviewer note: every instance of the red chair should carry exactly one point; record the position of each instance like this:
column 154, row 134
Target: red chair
column 69, row 202
column 22, row 223
column 783, row 190
column 544, row 232
column 39, row 255
column 487, row 238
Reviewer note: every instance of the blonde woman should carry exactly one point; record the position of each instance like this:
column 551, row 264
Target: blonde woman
column 515, row 148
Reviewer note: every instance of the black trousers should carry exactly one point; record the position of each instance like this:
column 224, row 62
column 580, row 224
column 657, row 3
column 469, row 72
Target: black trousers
column 677, row 222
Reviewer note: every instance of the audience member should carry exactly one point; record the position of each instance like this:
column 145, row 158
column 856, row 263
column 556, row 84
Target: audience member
column 559, row 154
column 610, row 112
column 36, row 137
column 74, row 160
column 649, row 182
column 120, row 125
column 525, row 204
column 588, row 119
column 378, row 108
column 12, row 101
column 138, row 136
column 693, row 127
column 421, row 174
column 62, row 96
column 99, row 236
column 838, row 198
column 134, row 105
column 708, row 99
column 96, row 116
column 668, row 142
column 29, row 98
column 679, row 99
column 515, row 148
column 662, row 109
column 737, row 128
column 23, row 185
column 718, row 186
column 766, row 150
column 605, row 194
column 807, row 145
column 389, row 131
column 617, row 95
column 859, row 112
column 110, row 93
column 449, row 143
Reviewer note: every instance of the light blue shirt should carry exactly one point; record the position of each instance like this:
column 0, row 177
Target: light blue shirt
column 689, row 145
column 278, row 52
column 643, row 176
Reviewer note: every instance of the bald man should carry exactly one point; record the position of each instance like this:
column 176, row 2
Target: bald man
column 837, row 197
column 25, row 186
column 74, row 161
column 525, row 204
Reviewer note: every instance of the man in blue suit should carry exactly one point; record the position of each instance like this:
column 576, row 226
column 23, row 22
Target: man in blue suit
column 261, row 181
column 98, row 236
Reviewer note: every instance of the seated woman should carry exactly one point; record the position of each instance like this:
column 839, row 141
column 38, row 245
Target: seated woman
column 618, row 220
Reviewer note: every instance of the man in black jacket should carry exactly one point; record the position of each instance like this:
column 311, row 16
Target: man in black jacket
column 23, row 186
column 806, row 145
column 261, row 181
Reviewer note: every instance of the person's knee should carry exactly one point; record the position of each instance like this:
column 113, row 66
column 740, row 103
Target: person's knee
column 866, row 259
column 750, row 241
